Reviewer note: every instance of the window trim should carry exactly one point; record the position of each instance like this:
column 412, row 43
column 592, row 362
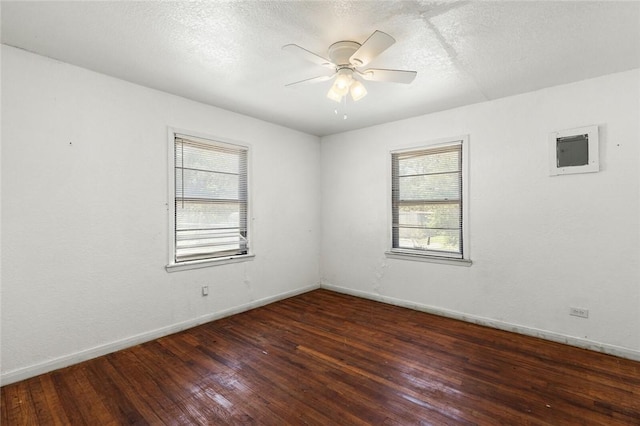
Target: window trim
column 426, row 256
column 172, row 265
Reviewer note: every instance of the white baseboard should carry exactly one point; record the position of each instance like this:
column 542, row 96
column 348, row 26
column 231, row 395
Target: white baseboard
column 64, row 361
column 74, row 358
column 488, row 322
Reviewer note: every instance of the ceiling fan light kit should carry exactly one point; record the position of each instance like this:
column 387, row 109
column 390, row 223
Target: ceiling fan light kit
column 334, row 96
column 357, row 90
column 346, row 83
column 345, row 57
column 343, row 80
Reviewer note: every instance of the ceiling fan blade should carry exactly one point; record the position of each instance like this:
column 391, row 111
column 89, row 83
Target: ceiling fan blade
column 308, row 55
column 312, row 80
column 389, row 76
column 377, row 43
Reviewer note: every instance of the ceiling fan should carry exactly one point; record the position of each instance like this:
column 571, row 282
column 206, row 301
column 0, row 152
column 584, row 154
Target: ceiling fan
column 345, row 59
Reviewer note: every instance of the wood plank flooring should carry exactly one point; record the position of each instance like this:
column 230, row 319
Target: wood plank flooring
column 324, row 358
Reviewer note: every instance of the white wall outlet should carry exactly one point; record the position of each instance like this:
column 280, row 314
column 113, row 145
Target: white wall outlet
column 579, row 312
column 205, row 290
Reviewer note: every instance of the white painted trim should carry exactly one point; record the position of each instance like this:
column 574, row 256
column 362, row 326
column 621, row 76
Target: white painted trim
column 429, row 259
column 209, row 262
column 619, row 351
column 77, row 357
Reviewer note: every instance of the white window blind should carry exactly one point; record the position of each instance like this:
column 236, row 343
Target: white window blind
column 210, row 199
column 427, row 201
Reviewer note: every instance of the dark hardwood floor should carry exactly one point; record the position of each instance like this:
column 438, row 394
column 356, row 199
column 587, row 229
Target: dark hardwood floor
column 325, row 358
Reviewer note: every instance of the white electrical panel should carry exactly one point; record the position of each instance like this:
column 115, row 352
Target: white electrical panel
column 574, row 151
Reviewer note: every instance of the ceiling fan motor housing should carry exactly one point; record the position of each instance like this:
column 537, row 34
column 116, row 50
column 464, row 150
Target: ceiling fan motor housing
column 341, row 51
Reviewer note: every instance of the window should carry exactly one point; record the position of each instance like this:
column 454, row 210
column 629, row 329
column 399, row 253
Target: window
column 428, row 187
column 210, row 200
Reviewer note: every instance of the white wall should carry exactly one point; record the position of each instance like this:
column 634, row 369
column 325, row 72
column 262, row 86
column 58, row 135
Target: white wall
column 85, row 228
column 84, row 220
column 539, row 244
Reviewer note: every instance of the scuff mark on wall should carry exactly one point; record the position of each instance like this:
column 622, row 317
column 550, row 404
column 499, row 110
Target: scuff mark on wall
column 379, row 273
column 247, row 283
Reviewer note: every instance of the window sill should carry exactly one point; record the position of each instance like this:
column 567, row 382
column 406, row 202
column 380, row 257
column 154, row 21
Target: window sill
column 429, row 259
column 174, row 267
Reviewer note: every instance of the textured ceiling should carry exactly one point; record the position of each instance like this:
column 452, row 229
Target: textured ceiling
column 228, row 54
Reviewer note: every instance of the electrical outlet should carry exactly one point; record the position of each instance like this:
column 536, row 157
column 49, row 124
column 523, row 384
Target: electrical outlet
column 205, row 290
column 579, row 312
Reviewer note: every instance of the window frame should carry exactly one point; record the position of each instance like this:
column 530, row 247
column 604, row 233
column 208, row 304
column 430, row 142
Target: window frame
column 431, row 256
column 172, row 265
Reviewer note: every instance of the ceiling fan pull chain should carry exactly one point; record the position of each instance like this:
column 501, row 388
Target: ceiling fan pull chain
column 344, row 116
